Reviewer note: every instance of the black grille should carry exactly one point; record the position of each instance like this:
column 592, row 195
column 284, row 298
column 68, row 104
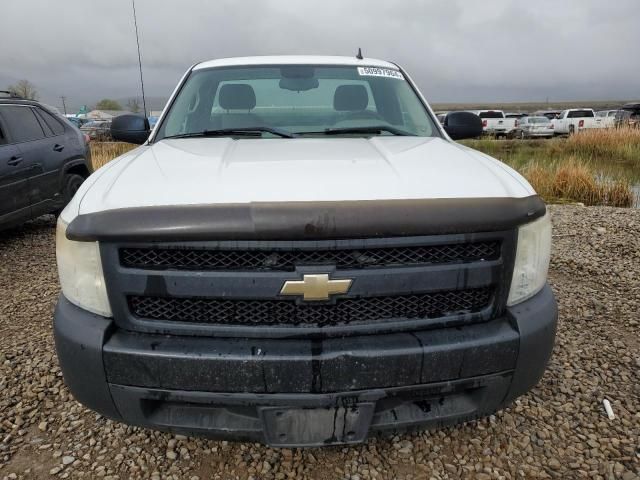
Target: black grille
column 287, row 313
column 286, row 260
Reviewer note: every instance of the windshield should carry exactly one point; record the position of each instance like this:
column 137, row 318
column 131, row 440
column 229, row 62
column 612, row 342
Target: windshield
column 538, row 120
column 298, row 100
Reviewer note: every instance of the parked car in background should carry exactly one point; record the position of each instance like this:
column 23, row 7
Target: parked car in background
column 98, row 130
column 78, row 121
column 495, row 123
column 515, row 115
column 153, row 120
column 550, row 114
column 530, row 127
column 574, row 120
column 628, row 116
column 43, row 161
column 441, row 116
column 607, row 118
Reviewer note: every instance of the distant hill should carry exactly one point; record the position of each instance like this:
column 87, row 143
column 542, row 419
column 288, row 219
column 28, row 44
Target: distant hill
column 530, row 106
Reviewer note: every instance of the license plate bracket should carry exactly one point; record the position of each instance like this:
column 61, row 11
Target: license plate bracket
column 315, row 427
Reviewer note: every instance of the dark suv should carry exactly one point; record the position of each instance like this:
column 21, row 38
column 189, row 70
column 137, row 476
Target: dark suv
column 43, row 160
column 628, row 116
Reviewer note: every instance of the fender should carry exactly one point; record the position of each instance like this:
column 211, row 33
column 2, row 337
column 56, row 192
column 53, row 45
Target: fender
column 68, row 165
column 74, row 162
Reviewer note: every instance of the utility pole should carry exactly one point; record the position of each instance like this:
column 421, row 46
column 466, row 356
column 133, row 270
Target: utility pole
column 64, row 105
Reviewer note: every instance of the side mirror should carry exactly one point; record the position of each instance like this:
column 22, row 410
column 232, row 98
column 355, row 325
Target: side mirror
column 130, row 128
column 459, row 125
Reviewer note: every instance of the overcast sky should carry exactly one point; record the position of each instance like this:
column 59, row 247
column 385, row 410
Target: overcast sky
column 457, row 51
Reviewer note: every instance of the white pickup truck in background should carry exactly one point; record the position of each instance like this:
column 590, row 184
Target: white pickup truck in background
column 576, row 119
column 494, row 122
column 607, row 118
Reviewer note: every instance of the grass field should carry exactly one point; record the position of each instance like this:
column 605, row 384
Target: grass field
column 596, row 167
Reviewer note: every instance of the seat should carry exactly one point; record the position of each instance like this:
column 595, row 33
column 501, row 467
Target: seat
column 352, row 102
column 234, row 98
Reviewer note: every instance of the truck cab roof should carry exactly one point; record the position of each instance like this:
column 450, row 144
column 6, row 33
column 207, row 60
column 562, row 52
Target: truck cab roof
column 293, row 60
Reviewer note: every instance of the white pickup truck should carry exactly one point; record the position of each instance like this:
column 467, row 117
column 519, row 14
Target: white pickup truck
column 495, row 122
column 300, row 254
column 607, row 118
column 574, row 120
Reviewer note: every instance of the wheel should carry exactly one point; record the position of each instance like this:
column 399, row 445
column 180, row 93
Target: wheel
column 72, row 182
column 572, row 129
column 70, row 186
column 522, row 135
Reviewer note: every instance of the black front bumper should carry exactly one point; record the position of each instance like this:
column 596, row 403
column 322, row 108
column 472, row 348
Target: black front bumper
column 269, row 390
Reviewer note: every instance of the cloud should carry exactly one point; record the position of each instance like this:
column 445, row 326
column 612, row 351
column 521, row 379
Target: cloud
column 494, row 50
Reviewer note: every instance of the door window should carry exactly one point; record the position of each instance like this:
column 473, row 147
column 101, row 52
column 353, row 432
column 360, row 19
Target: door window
column 580, row 114
column 22, row 122
column 491, row 114
column 47, row 131
column 51, row 122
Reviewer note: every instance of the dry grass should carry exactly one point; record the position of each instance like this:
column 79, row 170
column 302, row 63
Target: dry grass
column 574, row 181
column 613, row 144
column 104, row 152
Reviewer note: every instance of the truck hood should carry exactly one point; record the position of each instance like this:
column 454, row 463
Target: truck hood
column 199, row 171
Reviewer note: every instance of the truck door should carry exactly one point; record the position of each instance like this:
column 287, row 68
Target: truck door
column 51, row 158
column 562, row 125
column 14, row 194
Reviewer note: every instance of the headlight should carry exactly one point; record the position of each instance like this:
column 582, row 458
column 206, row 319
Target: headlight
column 532, row 260
column 80, row 273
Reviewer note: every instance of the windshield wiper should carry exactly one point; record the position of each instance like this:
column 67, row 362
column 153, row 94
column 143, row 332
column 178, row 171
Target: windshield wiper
column 223, row 132
column 375, row 129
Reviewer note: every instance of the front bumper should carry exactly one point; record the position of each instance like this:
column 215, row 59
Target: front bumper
column 539, row 133
column 496, row 131
column 265, row 389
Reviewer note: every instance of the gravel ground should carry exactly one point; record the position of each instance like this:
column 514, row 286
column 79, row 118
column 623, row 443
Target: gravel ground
column 559, row 430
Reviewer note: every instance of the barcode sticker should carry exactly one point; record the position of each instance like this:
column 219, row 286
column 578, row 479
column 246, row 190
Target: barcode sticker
column 380, row 72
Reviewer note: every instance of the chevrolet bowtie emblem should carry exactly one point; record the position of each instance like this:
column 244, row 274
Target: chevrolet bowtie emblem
column 315, row 287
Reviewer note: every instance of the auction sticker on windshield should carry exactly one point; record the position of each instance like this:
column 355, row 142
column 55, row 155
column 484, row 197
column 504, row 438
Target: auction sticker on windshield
column 380, row 72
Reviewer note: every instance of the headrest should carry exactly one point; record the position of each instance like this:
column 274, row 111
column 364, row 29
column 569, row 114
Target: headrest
column 237, row 96
column 350, row 98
